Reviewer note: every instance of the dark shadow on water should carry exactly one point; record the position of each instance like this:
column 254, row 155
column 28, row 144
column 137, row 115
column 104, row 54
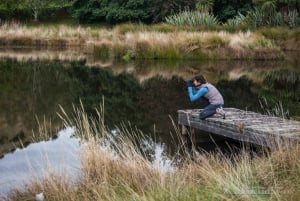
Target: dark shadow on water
column 146, row 93
column 204, row 142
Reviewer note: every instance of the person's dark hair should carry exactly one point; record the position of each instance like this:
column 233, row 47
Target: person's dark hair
column 200, row 78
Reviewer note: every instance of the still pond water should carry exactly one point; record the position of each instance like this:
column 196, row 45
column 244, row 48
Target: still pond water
column 144, row 94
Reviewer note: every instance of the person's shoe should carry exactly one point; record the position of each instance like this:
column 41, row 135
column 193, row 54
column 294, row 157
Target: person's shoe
column 220, row 111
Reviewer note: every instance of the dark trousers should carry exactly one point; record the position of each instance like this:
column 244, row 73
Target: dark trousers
column 209, row 110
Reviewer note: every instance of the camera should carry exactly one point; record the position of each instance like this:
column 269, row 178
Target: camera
column 189, row 82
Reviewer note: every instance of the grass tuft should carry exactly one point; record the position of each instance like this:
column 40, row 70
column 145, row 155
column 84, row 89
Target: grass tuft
column 114, row 167
column 161, row 41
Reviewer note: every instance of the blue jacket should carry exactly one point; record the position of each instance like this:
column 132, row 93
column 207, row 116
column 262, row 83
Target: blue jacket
column 196, row 94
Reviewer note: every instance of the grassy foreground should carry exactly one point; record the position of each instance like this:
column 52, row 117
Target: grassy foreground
column 160, row 41
column 121, row 172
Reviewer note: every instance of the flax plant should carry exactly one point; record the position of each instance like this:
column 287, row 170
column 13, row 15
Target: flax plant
column 192, row 18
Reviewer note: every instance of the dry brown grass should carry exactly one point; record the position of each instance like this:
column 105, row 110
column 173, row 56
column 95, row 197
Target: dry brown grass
column 185, row 39
column 118, row 170
column 51, row 32
column 280, row 170
column 14, row 34
column 178, row 44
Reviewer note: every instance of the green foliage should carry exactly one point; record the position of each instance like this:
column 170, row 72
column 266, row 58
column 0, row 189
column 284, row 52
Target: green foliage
column 129, row 55
column 292, row 18
column 274, row 13
column 266, row 5
column 272, row 5
column 236, row 22
column 204, row 5
column 117, row 11
column 190, row 18
column 111, row 11
column 12, row 8
column 160, row 9
column 262, row 43
column 276, row 33
column 228, row 9
column 265, row 13
column 277, row 19
column 258, row 18
column 22, row 10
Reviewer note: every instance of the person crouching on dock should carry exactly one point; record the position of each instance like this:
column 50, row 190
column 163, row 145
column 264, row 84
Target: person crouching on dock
column 199, row 88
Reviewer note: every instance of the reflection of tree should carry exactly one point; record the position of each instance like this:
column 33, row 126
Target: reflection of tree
column 284, row 80
column 37, row 87
column 282, row 85
column 30, row 90
column 162, row 97
column 240, row 93
column 121, row 92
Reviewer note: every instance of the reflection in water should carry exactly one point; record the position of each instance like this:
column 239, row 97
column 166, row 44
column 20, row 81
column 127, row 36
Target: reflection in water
column 22, row 54
column 145, row 69
column 61, row 156
column 29, row 90
column 145, row 93
column 38, row 159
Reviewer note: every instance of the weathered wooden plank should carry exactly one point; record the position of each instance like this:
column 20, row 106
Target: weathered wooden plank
column 242, row 125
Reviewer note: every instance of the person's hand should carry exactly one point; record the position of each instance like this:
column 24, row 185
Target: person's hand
column 189, row 83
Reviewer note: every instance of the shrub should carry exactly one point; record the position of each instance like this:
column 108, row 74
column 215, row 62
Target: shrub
column 263, row 43
column 258, row 18
column 111, row 11
column 217, row 41
column 255, row 18
column 237, row 21
column 281, row 34
column 292, row 19
column 192, row 18
column 275, row 33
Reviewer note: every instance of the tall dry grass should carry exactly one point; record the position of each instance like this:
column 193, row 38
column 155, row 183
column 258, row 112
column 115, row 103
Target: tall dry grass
column 13, row 29
column 115, row 168
column 148, row 43
column 194, row 45
column 16, row 34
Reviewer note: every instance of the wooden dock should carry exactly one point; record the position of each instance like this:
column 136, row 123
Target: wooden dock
column 245, row 126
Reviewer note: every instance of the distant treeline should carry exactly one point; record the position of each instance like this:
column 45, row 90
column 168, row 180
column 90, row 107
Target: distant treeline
column 24, row 10
column 145, row 11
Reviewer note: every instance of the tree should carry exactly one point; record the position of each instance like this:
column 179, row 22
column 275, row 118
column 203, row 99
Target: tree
column 278, row 5
column 113, row 11
column 277, row 12
column 37, row 6
column 90, row 10
column 204, row 5
column 159, row 9
column 8, row 7
column 227, row 9
column 130, row 10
